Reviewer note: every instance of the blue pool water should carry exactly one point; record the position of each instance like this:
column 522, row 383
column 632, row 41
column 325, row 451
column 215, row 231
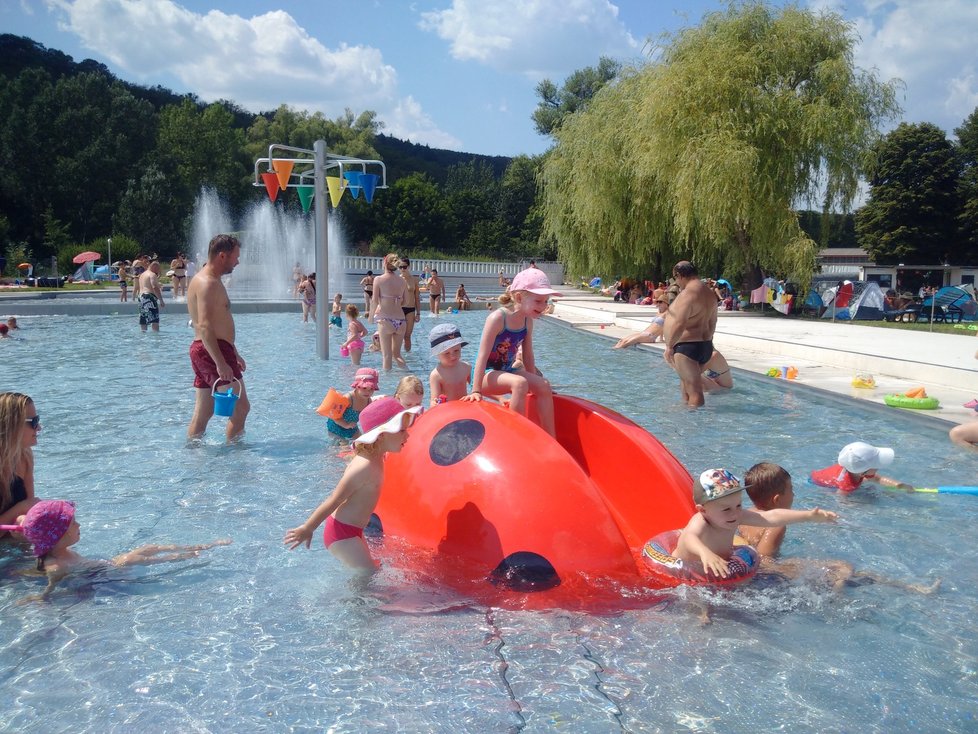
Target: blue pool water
column 252, row 637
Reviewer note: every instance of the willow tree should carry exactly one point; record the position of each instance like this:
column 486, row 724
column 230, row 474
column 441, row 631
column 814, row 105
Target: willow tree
column 705, row 152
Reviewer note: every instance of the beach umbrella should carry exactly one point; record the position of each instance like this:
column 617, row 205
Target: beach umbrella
column 24, row 266
column 85, row 257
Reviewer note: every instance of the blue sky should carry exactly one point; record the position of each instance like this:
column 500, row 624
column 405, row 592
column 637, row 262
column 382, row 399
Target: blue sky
column 457, row 74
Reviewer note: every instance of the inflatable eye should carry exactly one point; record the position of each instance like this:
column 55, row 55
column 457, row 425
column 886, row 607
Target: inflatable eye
column 455, row 441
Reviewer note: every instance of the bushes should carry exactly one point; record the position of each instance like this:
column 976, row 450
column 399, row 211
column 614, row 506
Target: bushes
column 123, row 248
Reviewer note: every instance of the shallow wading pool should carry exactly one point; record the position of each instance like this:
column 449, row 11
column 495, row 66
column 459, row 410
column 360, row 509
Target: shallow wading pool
column 254, row 638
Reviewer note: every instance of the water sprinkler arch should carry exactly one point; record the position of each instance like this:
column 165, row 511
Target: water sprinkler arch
column 306, row 168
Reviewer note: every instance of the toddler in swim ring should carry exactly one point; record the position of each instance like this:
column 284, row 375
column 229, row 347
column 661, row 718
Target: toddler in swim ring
column 858, row 461
column 347, row 510
column 51, row 528
column 709, row 535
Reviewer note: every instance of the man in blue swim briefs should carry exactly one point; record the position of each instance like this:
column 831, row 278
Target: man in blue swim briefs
column 213, row 355
column 688, row 331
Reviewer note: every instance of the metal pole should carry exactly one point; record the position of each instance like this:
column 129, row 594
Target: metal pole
column 933, row 302
column 320, row 202
column 108, row 241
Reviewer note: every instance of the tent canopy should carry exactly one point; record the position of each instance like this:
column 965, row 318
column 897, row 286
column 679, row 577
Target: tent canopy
column 860, row 300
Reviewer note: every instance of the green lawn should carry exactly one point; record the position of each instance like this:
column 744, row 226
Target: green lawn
column 961, row 329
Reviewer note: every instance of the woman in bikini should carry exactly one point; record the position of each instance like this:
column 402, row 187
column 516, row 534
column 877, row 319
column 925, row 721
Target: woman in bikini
column 368, row 292
column 389, row 290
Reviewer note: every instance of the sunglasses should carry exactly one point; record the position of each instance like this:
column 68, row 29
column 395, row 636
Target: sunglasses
column 403, row 267
column 34, row 422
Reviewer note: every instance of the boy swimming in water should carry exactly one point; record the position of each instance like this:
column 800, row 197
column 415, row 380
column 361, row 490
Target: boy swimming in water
column 769, row 487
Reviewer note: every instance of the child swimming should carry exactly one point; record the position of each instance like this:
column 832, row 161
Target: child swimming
column 505, row 330
column 451, row 377
column 347, row 510
column 858, row 462
column 769, row 487
column 51, row 528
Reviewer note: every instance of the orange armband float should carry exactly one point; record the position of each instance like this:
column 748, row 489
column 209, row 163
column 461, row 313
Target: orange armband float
column 333, row 405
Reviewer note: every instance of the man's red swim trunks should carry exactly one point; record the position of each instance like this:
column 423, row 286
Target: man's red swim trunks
column 205, row 371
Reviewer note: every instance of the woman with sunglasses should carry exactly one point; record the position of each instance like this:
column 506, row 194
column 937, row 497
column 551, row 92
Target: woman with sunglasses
column 652, row 332
column 19, row 425
column 389, row 293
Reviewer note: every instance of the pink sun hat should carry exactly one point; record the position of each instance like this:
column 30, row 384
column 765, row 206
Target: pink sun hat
column 45, row 524
column 385, row 415
column 366, row 377
column 534, row 281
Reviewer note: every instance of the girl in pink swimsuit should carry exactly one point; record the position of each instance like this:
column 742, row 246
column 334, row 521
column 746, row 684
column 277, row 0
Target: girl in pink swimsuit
column 348, row 509
column 355, row 331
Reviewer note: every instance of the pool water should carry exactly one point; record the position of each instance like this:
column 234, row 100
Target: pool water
column 252, row 637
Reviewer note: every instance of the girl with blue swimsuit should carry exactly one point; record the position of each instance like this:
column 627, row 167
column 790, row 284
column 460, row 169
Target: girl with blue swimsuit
column 506, row 329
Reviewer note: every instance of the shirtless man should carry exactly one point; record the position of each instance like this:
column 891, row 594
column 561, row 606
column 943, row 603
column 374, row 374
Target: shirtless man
column 411, row 302
column 688, row 331
column 436, row 289
column 150, row 297
column 212, row 353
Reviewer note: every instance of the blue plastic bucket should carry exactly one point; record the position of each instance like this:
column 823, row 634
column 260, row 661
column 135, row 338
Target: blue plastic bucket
column 224, row 401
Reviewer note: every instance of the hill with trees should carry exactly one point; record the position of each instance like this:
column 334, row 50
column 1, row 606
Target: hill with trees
column 88, row 156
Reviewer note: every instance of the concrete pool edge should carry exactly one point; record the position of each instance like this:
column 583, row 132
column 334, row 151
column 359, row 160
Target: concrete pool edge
column 602, row 319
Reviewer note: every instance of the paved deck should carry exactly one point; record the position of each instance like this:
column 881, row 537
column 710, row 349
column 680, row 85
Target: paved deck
column 827, row 354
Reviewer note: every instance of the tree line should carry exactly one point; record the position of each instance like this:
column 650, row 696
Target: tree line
column 711, row 149
column 87, row 156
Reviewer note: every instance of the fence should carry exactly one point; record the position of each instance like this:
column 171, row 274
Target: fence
column 359, row 265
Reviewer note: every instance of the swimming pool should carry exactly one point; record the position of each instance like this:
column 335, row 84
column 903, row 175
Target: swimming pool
column 254, row 638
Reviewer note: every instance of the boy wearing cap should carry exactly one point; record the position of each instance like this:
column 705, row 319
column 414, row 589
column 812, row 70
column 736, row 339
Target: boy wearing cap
column 857, row 462
column 347, row 510
column 451, row 377
column 709, row 535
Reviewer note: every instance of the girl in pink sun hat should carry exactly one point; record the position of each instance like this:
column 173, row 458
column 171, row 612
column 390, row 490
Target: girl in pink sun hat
column 346, row 512
column 50, row 527
column 342, row 423
column 505, row 331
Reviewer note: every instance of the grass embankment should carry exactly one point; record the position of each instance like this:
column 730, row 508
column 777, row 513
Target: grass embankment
column 940, row 327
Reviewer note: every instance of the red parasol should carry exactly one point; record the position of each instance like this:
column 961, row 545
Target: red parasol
column 85, row 257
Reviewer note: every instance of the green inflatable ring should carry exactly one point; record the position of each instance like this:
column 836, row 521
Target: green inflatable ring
column 902, row 401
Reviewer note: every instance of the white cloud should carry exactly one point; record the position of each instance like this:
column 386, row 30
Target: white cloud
column 258, row 62
column 409, row 122
column 537, row 38
column 929, row 44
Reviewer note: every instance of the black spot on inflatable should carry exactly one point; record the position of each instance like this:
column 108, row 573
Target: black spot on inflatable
column 375, row 528
column 455, row 441
column 525, row 571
